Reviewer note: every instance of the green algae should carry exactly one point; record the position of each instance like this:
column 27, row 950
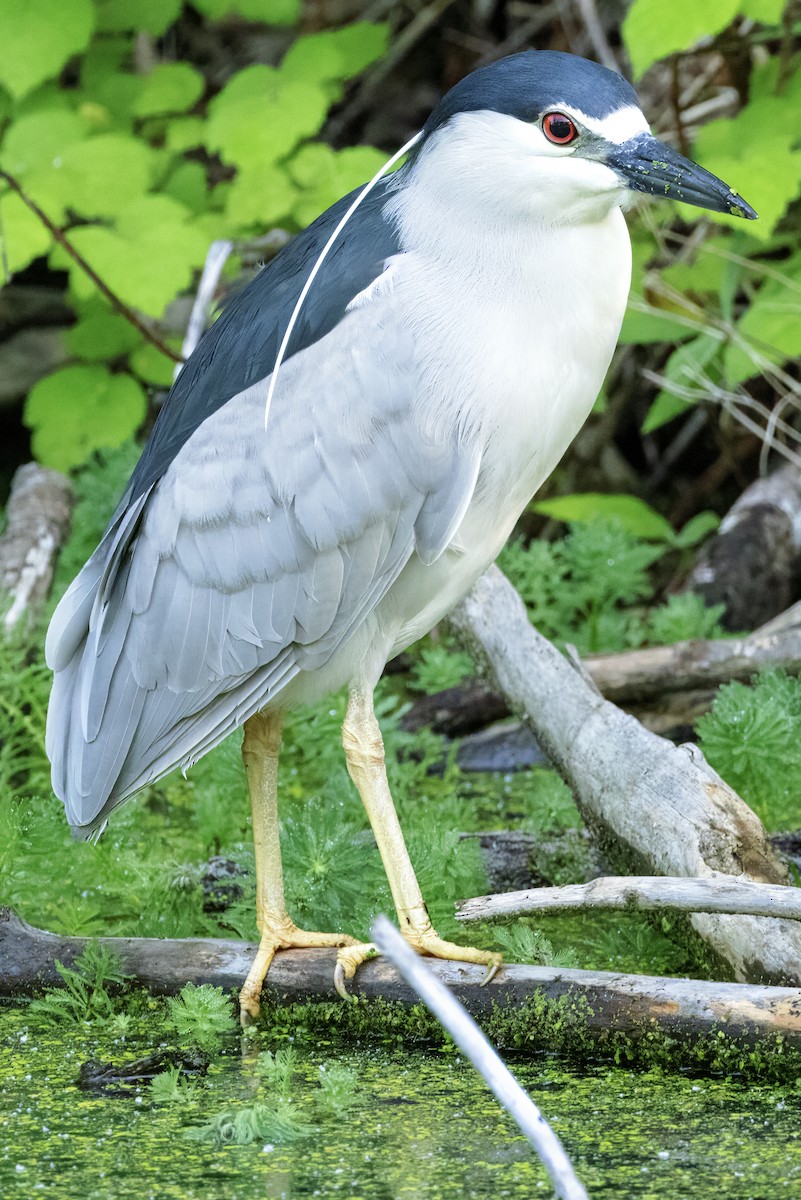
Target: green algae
column 419, row 1124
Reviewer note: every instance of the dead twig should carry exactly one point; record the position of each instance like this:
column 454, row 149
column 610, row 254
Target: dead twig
column 715, row 894
column 656, row 808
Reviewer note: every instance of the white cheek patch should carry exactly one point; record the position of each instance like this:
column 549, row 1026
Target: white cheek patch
column 618, row 127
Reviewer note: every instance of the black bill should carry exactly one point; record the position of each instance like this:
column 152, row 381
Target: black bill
column 648, row 165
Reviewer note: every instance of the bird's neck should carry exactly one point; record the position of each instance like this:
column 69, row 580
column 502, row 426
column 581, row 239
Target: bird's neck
column 519, row 320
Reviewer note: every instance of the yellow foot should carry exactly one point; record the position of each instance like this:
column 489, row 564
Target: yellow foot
column 279, row 932
column 424, row 941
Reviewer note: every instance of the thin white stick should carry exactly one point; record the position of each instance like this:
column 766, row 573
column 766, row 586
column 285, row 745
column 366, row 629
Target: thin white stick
column 368, row 187
column 212, row 269
column 714, row 894
column 471, row 1041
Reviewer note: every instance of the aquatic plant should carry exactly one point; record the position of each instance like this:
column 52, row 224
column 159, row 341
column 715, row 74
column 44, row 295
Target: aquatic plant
column 172, row 1087
column 85, row 993
column 337, row 1087
column 202, row 1015
column 522, row 944
column 276, row 1069
column 276, row 1122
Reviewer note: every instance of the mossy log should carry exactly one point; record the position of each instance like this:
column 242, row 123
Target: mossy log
column 631, row 1005
column 654, row 808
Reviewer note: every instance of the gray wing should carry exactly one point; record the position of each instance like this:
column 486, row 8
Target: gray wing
column 255, row 557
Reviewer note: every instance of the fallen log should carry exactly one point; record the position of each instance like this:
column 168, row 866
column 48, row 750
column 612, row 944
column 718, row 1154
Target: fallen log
column 631, row 1005
column 38, row 516
column 648, row 893
column 655, row 808
column 664, row 686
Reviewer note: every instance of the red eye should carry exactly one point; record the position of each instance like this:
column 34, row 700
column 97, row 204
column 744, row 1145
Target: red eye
column 558, row 128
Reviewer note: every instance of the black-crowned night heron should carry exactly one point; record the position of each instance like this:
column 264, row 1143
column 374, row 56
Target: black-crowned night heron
column 452, row 341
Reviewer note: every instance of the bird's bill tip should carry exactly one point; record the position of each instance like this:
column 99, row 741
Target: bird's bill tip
column 648, row 165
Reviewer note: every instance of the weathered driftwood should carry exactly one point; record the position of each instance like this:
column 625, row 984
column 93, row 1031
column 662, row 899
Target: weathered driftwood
column 38, row 512
column 654, row 807
column 720, row 894
column 751, row 563
column 471, row 1041
column 633, row 1005
column 665, row 686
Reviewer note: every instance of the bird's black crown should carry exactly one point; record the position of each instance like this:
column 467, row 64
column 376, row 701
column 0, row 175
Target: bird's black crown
column 528, row 84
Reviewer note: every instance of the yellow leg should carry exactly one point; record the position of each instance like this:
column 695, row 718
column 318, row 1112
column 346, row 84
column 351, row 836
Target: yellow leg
column 364, row 752
column 277, row 931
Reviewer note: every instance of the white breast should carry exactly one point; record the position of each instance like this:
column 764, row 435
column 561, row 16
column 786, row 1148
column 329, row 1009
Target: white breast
column 515, row 322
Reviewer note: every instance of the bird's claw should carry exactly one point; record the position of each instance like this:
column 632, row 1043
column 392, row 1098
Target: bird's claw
column 349, row 958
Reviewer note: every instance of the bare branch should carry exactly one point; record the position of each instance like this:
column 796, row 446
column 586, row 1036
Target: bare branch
column 716, row 894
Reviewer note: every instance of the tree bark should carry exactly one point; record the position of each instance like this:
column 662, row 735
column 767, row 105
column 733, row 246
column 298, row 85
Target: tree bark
column 633, row 1005
column 655, row 808
column 38, row 511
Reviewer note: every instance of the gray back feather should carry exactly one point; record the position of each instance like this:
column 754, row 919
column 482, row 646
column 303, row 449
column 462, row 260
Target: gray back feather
column 255, row 557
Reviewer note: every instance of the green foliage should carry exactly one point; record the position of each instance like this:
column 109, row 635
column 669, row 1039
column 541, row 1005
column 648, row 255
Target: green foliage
column 39, row 38
column 683, row 618
column 173, row 1087
column 276, row 1069
column 733, row 300
column 589, row 588
column 127, row 160
column 338, row 1085
column 111, row 406
column 523, row 944
column 752, row 737
column 653, row 30
column 438, row 666
column 630, row 513
column 276, row 1123
column 85, row 994
column 202, row 1015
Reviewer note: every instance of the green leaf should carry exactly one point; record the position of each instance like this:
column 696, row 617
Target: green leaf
column 169, row 88
column 258, row 118
column 37, row 140
column 324, row 175
column 149, row 16
column 148, row 362
column 755, row 153
column 655, row 325
column 682, row 368
column 271, row 12
column 766, row 12
column 95, row 177
column 101, row 335
column 336, row 54
column 80, row 409
column 23, row 235
column 146, row 261
column 653, row 29
column 633, row 514
column 771, row 325
column 188, row 185
column 39, row 38
column 261, row 194
column 185, row 133
column 696, row 529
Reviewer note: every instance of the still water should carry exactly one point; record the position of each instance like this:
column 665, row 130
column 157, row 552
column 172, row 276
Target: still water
column 419, row 1124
